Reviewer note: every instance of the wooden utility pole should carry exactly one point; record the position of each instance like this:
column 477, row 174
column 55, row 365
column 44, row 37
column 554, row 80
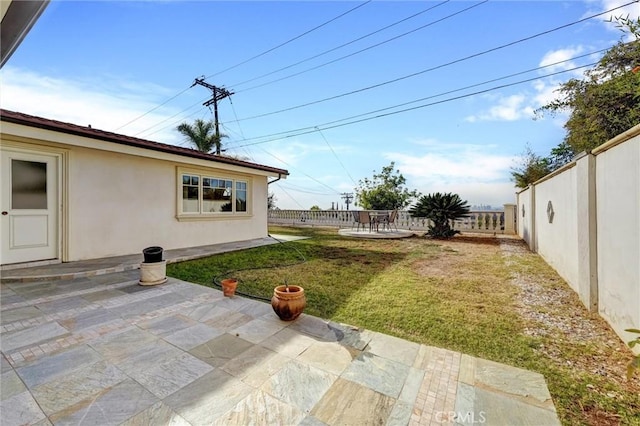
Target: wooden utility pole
column 217, row 94
column 347, row 197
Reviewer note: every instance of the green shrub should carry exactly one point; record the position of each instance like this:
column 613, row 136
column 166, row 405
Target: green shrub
column 441, row 210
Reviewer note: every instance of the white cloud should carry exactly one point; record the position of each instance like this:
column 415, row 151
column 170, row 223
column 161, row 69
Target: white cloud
column 493, row 194
column 465, row 168
column 105, row 104
column 560, row 59
column 608, row 20
column 546, row 92
column 523, row 105
column 632, row 10
column 510, row 108
column 286, row 155
column 291, row 153
column 436, row 145
column 475, row 172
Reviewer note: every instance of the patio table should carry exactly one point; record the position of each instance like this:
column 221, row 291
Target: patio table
column 378, row 217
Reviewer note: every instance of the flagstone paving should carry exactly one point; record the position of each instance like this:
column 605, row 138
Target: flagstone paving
column 101, row 349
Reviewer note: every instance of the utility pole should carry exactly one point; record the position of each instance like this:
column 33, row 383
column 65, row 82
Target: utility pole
column 217, row 94
column 347, row 197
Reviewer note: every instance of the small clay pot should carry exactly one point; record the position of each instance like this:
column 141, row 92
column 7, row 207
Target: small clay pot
column 288, row 302
column 229, row 286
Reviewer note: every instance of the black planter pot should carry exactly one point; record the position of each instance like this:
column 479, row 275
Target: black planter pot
column 152, row 254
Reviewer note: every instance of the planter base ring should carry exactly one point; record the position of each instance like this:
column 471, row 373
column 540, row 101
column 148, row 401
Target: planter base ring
column 162, row 281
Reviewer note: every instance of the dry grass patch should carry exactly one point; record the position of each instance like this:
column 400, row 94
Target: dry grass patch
column 573, row 340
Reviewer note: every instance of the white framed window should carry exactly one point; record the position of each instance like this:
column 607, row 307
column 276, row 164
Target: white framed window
column 241, row 196
column 211, row 194
column 190, row 193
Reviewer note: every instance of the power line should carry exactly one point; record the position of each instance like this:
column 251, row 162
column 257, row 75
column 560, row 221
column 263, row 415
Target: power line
column 336, row 155
column 239, row 127
column 186, row 143
column 465, row 58
column 236, row 115
column 290, row 40
column 291, row 167
column 293, row 188
column 365, row 49
column 290, row 196
column 412, row 108
column 169, row 118
column 370, row 112
column 342, row 45
column 404, row 77
column 289, row 66
column 230, row 147
column 154, row 108
column 438, row 94
column 217, row 94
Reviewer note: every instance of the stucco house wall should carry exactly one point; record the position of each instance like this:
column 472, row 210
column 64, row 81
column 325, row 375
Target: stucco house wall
column 118, row 198
column 120, row 204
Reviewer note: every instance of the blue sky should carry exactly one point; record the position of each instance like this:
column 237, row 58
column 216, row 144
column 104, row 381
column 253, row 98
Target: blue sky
column 128, row 67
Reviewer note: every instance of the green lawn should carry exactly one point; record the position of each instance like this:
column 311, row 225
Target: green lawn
column 454, row 294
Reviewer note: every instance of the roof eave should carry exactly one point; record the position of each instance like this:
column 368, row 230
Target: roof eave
column 72, row 129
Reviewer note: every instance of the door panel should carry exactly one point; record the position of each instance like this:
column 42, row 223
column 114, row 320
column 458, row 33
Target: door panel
column 29, row 207
column 32, row 231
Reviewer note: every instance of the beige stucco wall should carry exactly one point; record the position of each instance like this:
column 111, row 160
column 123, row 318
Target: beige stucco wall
column 118, row 203
column 618, row 221
column 594, row 241
column 4, row 6
column 557, row 242
column 524, row 204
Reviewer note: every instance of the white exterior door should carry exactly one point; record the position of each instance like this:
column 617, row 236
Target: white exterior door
column 30, row 206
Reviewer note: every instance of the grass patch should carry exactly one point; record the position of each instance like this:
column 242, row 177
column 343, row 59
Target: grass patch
column 456, row 294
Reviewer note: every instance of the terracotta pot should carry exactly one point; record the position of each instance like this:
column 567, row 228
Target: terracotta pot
column 229, row 286
column 288, row 302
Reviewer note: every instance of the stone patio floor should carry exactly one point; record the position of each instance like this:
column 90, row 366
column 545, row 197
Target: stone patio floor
column 85, row 344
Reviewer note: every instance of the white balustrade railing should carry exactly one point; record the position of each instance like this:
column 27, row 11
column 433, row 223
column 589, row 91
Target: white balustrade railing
column 490, row 221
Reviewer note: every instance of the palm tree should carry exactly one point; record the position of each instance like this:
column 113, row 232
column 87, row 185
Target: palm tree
column 202, row 135
column 441, row 209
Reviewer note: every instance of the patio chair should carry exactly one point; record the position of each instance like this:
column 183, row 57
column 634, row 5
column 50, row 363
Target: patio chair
column 391, row 220
column 356, row 218
column 364, row 219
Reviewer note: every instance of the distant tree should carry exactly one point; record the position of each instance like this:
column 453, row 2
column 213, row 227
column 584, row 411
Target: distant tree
column 607, row 101
column 560, row 155
column 441, row 209
column 201, row 134
column 386, row 191
column 236, row 156
column 271, row 201
column 315, row 208
column 530, row 168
